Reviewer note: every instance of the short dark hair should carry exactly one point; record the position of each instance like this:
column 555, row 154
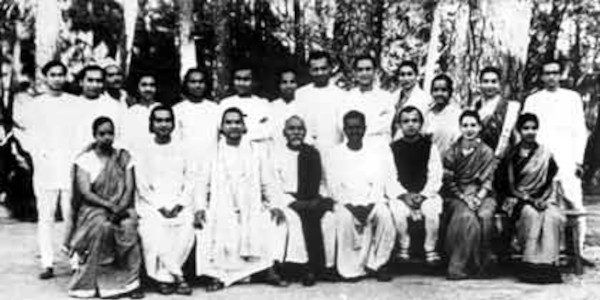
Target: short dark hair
column 89, row 68
column 51, row 64
column 160, row 107
column 243, row 65
column 490, row 69
column 99, row 121
column 409, row 63
column 409, row 109
column 549, row 61
column 470, row 113
column 188, row 74
column 314, row 55
column 527, row 117
column 364, row 57
column 233, row 109
column 445, row 78
column 354, row 114
column 285, row 70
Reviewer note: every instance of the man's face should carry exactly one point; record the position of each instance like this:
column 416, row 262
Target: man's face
column 294, row 132
column 410, row 123
column 147, row 88
column 529, row 131
column 365, row 72
column 114, row 77
column 105, row 135
column 440, row 92
column 196, row 84
column 551, row 75
column 92, row 84
column 490, row 84
column 407, row 77
column 163, row 123
column 233, row 126
column 354, row 128
column 242, row 82
column 288, row 84
column 320, row 71
column 470, row 128
column 56, row 78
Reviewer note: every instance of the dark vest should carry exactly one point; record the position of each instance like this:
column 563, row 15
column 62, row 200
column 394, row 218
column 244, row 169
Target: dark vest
column 309, row 173
column 411, row 160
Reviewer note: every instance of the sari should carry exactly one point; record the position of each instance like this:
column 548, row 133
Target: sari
column 468, row 232
column 538, row 225
column 108, row 250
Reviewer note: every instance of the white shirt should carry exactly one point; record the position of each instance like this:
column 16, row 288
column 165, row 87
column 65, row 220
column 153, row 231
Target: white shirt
column 257, row 114
column 280, row 112
column 360, row 177
column 90, row 109
column 321, row 110
column 417, row 98
column 136, row 126
column 378, row 107
column 197, row 125
column 562, row 125
column 444, row 126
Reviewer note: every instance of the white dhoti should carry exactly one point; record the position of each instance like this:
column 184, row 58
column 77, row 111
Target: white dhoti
column 354, row 248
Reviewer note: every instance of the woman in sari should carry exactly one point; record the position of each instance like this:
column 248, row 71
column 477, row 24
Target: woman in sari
column 468, row 172
column 531, row 201
column 105, row 238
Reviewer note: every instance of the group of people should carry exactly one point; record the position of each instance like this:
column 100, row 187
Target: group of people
column 324, row 178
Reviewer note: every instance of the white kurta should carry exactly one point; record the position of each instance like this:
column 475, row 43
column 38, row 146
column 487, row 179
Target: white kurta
column 321, row 110
column 165, row 177
column 257, row 111
column 378, row 107
column 443, row 126
column 136, row 127
column 360, row 177
column 197, row 126
column 280, row 112
column 240, row 238
column 90, row 109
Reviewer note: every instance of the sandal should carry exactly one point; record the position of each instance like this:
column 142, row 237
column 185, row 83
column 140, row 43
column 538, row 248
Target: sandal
column 183, row 289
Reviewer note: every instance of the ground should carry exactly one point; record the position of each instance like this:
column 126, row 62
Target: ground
column 19, row 269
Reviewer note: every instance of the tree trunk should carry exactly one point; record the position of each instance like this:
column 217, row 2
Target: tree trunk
column 47, row 26
column 222, row 33
column 187, row 48
column 130, row 14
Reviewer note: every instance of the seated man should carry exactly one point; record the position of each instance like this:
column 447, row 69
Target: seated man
column 419, row 171
column 359, row 177
column 165, row 178
column 245, row 224
column 298, row 173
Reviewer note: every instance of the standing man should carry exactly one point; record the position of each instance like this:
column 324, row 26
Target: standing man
column 563, row 131
column 375, row 103
column 93, row 103
column 114, row 83
column 285, row 106
column 419, row 171
column 360, row 179
column 499, row 115
column 197, row 116
column 165, row 180
column 135, row 127
column 410, row 93
column 46, row 125
column 320, row 103
column 442, row 115
column 257, row 109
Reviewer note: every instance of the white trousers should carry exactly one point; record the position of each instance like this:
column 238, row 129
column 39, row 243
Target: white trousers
column 47, row 202
column 431, row 208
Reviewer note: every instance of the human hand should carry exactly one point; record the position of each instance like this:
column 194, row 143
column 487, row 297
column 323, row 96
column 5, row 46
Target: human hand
column 200, row 219
column 277, row 215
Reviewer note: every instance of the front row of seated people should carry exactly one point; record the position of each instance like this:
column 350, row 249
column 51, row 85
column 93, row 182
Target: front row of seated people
column 250, row 209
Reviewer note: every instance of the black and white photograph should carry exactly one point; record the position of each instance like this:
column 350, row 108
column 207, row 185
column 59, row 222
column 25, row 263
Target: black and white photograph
column 300, row 149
